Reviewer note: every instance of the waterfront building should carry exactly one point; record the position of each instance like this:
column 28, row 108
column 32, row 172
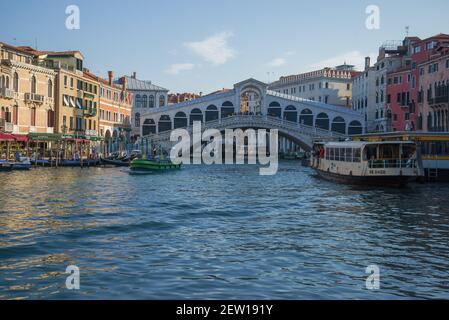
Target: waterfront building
column 390, row 58
column 146, row 96
column 114, row 112
column 27, row 93
column 434, row 84
column 405, row 89
column 364, row 93
column 329, row 85
column 77, row 92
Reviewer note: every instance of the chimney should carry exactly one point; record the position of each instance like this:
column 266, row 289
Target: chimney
column 110, row 76
column 123, row 81
column 134, row 75
column 367, row 63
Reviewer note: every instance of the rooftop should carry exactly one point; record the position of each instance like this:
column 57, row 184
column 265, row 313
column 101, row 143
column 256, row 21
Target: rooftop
column 143, row 85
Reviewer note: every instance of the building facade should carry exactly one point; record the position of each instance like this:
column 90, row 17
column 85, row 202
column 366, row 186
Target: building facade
column 114, row 112
column 364, row 93
column 145, row 96
column 329, row 85
column 27, row 93
column 435, row 91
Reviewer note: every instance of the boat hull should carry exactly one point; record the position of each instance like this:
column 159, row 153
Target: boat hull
column 117, row 163
column 21, row 166
column 376, row 181
column 5, row 168
column 153, row 166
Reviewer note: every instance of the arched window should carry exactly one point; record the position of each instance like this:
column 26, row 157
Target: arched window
column 137, row 101
column 161, row 101
column 211, row 113
column 164, row 123
column 50, row 118
column 227, row 109
column 149, row 127
column 274, row 110
column 339, row 125
column 306, row 117
column 50, row 89
column 322, row 121
column 137, row 120
column 290, row 114
column 355, row 127
column 2, row 81
column 151, row 101
column 7, row 82
column 196, row 115
column 180, row 120
column 16, row 82
column 144, row 101
column 33, row 84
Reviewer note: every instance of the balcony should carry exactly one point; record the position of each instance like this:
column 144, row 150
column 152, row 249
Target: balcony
column 33, row 97
column 6, row 93
column 442, row 99
column 6, row 126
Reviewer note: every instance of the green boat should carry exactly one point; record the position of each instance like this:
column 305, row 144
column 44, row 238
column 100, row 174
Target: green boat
column 141, row 165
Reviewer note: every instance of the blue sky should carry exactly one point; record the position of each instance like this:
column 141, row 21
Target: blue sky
column 204, row 45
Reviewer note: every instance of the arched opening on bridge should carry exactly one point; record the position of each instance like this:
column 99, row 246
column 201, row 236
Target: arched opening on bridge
column 291, row 114
column 322, row 121
column 149, row 127
column 339, row 125
column 164, row 123
column 274, row 110
column 211, row 113
column 227, row 109
column 306, row 117
column 355, row 127
column 180, row 120
column 250, row 100
column 196, row 115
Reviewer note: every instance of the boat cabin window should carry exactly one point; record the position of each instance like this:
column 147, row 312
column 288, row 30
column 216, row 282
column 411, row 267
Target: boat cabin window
column 435, row 148
column 343, row 154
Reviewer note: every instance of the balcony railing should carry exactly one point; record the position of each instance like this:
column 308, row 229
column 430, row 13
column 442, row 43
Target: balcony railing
column 442, row 99
column 6, row 93
column 9, row 127
column 34, row 97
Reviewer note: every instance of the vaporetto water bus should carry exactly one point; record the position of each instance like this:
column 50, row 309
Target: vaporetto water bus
column 367, row 163
column 432, row 147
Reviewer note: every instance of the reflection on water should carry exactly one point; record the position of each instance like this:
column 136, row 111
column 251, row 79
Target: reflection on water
column 218, row 232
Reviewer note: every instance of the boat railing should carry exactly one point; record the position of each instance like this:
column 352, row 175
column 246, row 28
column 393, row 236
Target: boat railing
column 392, row 164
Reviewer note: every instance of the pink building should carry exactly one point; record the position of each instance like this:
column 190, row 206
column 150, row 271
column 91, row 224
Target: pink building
column 435, row 90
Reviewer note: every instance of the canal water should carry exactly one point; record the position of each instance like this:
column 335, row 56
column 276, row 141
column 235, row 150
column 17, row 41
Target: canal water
column 218, row 232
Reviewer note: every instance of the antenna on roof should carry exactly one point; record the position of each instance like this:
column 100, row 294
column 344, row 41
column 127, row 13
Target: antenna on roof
column 407, row 31
column 35, row 43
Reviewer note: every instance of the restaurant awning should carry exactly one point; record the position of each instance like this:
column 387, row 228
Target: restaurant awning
column 20, row 137
column 6, row 137
column 44, row 136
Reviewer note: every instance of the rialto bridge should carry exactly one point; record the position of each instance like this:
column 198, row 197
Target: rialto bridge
column 251, row 105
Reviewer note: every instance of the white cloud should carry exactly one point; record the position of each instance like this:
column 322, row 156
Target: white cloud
column 177, row 68
column 214, row 49
column 277, row 62
column 355, row 58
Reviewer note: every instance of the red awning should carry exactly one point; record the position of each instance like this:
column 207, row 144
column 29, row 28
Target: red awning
column 20, row 137
column 6, row 137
